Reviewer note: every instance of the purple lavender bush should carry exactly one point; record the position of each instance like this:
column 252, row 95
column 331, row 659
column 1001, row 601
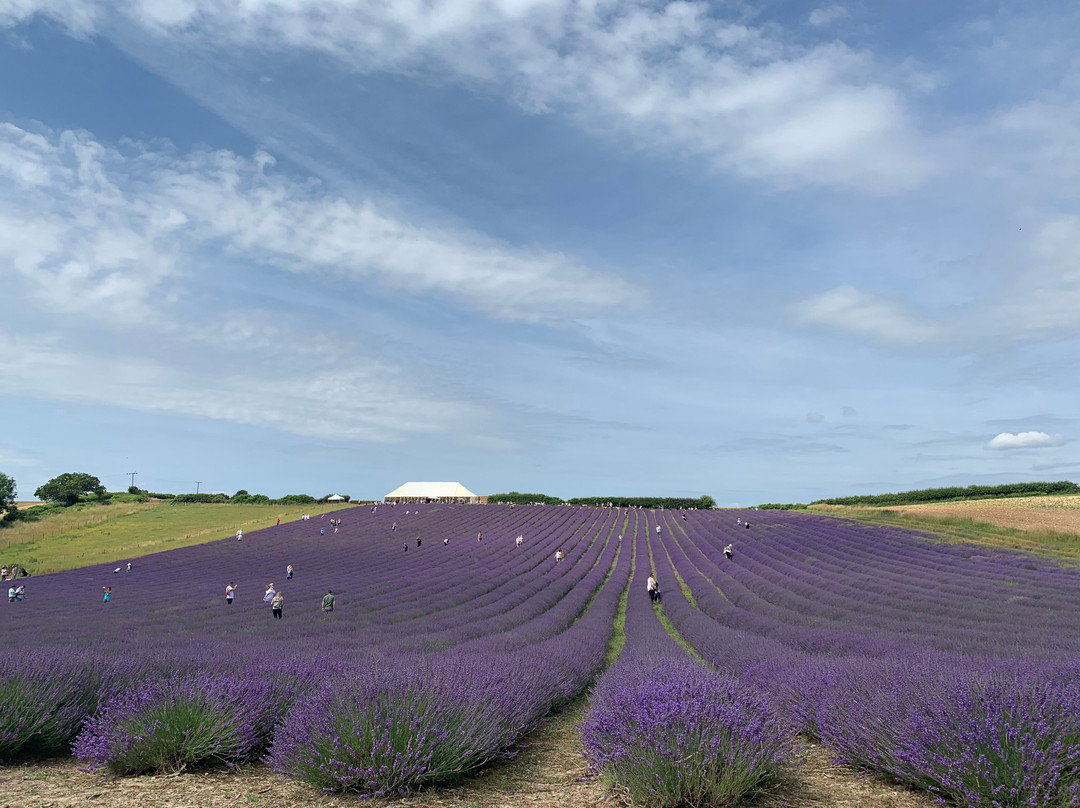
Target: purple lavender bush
column 980, row 733
column 183, row 723
column 406, row 721
column 44, row 700
column 674, row 733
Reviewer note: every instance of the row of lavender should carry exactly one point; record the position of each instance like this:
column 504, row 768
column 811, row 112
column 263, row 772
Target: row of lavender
column 435, row 660
column 903, row 655
column 672, row 731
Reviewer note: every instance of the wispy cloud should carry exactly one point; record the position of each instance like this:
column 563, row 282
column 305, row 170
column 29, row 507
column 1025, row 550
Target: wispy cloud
column 93, row 229
column 673, row 77
column 827, row 14
column 1025, row 440
column 367, row 401
column 848, row 309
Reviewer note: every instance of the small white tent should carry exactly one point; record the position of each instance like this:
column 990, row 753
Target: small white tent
column 335, row 498
column 432, row 492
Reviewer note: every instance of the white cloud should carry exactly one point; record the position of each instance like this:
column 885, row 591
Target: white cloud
column 846, row 308
column 1025, row 440
column 827, row 14
column 94, row 230
column 673, row 77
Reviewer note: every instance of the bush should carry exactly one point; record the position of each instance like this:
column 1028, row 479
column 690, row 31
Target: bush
column 297, row 499
column 44, row 700
column 200, row 498
column 518, row 498
column 673, row 733
column 982, row 734
column 187, row 722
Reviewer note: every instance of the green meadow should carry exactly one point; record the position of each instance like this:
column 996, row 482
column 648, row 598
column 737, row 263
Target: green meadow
column 84, row 535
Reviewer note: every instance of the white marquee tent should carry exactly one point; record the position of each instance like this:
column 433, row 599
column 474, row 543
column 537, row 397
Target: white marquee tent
column 432, row 492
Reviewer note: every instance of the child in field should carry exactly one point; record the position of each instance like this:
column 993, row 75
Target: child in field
column 276, row 604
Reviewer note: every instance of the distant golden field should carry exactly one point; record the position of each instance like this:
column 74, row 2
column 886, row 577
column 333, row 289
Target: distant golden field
column 1047, row 525
column 1058, row 513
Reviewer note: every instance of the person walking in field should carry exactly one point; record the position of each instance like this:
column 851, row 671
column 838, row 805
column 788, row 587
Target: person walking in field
column 19, row 590
column 393, row 529
column 322, row 531
column 418, row 540
column 239, row 535
column 269, row 594
column 288, row 572
column 11, row 594
column 728, row 552
column 108, row 594
column 558, row 556
column 276, row 604
column 480, row 536
column 654, row 589
column 278, row 522
column 329, row 601
column 230, row 593
column 519, row 540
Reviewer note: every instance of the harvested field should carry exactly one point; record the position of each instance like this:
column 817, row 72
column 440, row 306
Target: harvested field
column 1057, row 513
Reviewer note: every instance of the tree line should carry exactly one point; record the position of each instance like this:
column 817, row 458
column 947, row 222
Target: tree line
column 701, row 503
column 80, row 488
column 947, row 494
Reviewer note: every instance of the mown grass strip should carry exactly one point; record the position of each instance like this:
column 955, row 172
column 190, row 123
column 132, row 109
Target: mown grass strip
column 658, row 607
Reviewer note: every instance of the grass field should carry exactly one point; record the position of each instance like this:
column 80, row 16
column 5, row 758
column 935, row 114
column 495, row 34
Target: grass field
column 1047, row 526
column 105, row 533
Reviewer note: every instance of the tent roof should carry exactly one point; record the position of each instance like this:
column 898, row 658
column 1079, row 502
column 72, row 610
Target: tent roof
column 431, row 491
column 335, row 498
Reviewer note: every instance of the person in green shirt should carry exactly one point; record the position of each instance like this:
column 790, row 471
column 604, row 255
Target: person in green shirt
column 328, row 601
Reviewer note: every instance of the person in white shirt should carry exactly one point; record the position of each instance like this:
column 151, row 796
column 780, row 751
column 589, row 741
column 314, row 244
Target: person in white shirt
column 658, row 530
column 728, row 551
column 518, row 541
column 654, row 589
column 558, row 556
column 230, row 593
column 270, row 592
column 240, row 535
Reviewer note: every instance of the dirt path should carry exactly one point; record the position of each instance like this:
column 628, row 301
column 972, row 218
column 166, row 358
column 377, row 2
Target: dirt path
column 548, row 772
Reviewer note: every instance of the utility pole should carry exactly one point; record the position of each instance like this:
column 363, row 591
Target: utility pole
column 131, row 474
column 197, row 484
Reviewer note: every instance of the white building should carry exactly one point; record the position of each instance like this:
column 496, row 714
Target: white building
column 432, row 492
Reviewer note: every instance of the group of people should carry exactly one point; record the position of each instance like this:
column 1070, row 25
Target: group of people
column 15, row 572
column 275, row 598
column 15, row 593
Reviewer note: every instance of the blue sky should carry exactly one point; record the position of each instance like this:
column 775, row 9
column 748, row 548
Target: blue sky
column 768, row 251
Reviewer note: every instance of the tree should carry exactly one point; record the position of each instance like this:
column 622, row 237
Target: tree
column 7, row 492
column 705, row 502
column 67, row 488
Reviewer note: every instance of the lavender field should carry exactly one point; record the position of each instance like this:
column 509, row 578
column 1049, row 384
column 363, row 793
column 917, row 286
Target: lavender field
column 948, row 668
